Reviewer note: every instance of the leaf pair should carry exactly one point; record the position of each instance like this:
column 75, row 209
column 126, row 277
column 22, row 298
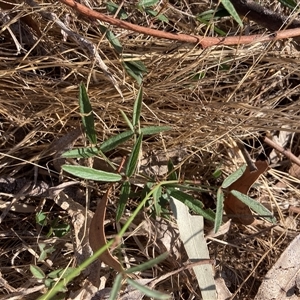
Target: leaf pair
column 236, row 203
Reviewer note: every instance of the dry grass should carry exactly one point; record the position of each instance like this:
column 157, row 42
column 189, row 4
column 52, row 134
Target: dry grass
column 245, row 91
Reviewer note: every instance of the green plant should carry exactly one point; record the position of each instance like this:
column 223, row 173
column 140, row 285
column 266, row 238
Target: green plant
column 52, row 278
column 175, row 189
column 56, row 227
column 155, row 193
column 136, row 133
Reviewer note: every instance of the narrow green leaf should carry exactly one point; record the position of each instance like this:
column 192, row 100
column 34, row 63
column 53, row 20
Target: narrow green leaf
column 148, row 264
column 127, row 120
column 182, row 197
column 124, row 195
column 134, row 157
column 139, row 65
column 145, row 290
column 113, row 8
column 91, row 174
column 218, row 13
column 156, row 197
column 186, row 187
column 135, row 69
column 230, row 8
column 81, row 152
column 155, row 14
column 137, row 107
column 255, row 206
column 215, row 28
column 219, row 211
column 108, row 145
column 116, row 288
column 217, row 173
column 234, row 177
column 87, row 114
column 114, row 141
column 37, row 272
column 154, row 129
column 114, row 41
column 198, row 76
column 195, row 205
column 147, row 3
column 171, row 173
column 288, row 3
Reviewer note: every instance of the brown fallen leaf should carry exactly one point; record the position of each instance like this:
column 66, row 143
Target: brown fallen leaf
column 97, row 234
column 238, row 211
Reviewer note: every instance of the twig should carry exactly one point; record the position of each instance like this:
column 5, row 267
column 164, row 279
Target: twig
column 203, row 41
column 250, row 163
column 282, row 150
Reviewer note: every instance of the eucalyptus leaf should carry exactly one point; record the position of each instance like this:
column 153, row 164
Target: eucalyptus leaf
column 191, row 229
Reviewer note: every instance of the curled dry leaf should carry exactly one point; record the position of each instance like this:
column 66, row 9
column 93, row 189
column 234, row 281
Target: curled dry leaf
column 238, row 211
column 97, row 234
